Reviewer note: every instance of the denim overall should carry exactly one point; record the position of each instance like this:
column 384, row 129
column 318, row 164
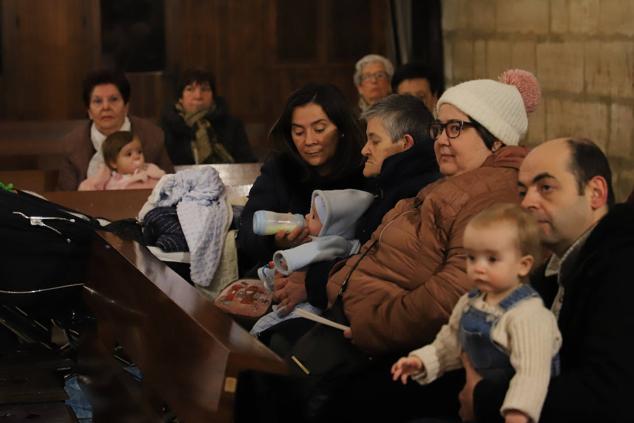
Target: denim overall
column 488, row 358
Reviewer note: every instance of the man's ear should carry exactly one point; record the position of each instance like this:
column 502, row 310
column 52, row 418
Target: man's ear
column 525, row 265
column 598, row 190
column 408, row 142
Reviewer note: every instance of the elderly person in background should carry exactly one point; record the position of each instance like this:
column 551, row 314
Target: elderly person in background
column 106, row 94
column 199, row 128
column 372, row 77
column 420, row 81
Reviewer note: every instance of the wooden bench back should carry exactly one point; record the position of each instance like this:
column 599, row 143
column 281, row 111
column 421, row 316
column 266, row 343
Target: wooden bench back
column 32, row 180
column 232, row 174
column 190, row 352
column 33, row 144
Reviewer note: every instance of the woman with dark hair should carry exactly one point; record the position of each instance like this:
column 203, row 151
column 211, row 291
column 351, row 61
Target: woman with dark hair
column 399, row 162
column 199, row 128
column 106, row 95
column 317, row 142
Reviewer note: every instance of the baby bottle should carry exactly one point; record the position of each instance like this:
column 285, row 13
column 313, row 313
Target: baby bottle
column 268, row 223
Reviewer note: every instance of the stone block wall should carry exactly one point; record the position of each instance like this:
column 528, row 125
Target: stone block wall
column 582, row 52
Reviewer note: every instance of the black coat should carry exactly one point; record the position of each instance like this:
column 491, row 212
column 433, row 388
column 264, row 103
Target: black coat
column 402, row 176
column 597, row 324
column 280, row 188
column 229, row 132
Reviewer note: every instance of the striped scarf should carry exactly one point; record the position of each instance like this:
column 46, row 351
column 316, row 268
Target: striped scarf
column 205, row 145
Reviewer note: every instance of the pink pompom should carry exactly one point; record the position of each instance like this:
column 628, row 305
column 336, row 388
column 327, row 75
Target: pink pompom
column 526, row 84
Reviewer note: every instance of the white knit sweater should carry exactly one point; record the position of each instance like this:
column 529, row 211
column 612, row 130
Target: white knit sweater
column 527, row 332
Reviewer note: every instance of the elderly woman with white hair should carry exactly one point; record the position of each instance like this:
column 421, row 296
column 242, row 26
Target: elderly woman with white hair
column 372, row 76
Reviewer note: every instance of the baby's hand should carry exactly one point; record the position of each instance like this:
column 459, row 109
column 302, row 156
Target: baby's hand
column 515, row 416
column 405, row 367
column 283, row 264
column 285, row 240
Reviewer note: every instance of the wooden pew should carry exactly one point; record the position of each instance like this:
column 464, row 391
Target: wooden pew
column 116, row 205
column 121, row 204
column 33, row 144
column 110, row 205
column 32, row 180
column 232, row 174
column 190, row 352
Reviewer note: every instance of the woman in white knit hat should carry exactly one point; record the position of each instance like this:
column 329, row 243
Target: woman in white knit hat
column 399, row 294
column 476, row 118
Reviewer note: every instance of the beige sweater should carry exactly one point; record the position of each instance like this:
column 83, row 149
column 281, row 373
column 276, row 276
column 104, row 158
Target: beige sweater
column 528, row 332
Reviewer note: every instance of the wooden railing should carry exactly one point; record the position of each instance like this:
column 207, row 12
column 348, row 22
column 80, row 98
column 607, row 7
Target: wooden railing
column 189, row 352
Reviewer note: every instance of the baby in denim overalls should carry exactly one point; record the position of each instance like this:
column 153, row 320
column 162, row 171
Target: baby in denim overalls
column 502, row 325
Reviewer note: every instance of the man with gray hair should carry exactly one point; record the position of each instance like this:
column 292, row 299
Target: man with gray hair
column 399, row 154
column 372, row 77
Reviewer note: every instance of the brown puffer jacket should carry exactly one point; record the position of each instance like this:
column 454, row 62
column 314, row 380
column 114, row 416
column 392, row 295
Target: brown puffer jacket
column 403, row 290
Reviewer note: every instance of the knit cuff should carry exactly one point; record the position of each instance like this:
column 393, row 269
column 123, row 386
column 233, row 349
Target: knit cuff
column 431, row 363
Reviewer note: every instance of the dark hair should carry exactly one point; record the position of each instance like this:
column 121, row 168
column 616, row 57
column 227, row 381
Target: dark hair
column 400, row 115
column 417, row 71
column 348, row 155
column 195, row 75
column 113, row 144
column 487, row 137
column 106, row 76
column 587, row 161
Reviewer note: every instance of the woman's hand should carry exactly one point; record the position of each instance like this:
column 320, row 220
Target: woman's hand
column 289, row 291
column 405, row 367
column 285, row 240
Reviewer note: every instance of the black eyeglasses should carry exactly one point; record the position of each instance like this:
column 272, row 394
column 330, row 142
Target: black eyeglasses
column 376, row 76
column 452, row 128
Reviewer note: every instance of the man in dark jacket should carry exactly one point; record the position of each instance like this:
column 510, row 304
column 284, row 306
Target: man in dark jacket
column 565, row 183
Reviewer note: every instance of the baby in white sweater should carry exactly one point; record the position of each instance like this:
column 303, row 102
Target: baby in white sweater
column 502, row 325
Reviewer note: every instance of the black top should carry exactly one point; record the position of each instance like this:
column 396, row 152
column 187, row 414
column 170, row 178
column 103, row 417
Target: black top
column 402, row 176
column 596, row 323
column 279, row 188
column 229, row 132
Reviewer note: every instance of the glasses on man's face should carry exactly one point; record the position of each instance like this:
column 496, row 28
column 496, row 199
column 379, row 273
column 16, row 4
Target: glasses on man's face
column 376, row 76
column 452, row 128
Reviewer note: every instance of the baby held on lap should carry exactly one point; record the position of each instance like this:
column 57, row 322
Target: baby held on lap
column 124, row 166
column 501, row 325
column 330, row 223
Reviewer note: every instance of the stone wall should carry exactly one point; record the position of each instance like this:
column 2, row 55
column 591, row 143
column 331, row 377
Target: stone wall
column 582, row 52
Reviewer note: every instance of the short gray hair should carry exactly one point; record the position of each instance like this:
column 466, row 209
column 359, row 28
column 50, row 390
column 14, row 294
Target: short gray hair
column 371, row 58
column 400, row 115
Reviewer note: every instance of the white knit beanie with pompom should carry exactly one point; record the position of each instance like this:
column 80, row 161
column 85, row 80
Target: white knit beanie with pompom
column 500, row 106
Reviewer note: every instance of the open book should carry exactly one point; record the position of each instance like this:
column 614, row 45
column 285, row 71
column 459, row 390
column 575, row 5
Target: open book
column 317, row 318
